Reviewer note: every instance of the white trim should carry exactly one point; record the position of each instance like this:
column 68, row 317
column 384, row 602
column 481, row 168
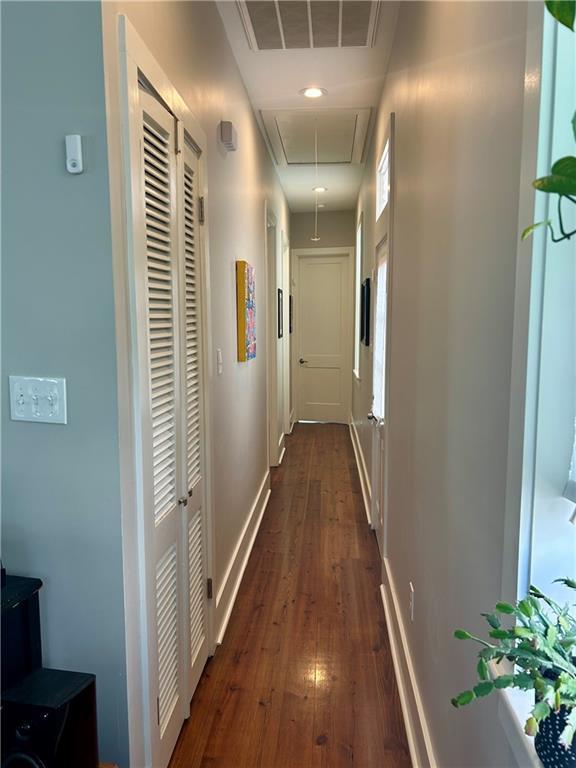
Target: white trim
column 526, row 331
column 226, row 596
column 417, row 731
column 282, row 452
column 348, row 251
column 362, row 471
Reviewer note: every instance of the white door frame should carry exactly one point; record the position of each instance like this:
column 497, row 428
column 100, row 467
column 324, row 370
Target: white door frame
column 303, row 253
column 126, row 63
column 274, row 387
column 381, row 433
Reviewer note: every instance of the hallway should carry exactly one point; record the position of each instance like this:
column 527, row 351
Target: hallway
column 304, row 677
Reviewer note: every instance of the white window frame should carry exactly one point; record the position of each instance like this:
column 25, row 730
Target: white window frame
column 383, row 181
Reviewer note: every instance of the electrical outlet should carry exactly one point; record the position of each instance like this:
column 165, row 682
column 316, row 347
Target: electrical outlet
column 411, row 603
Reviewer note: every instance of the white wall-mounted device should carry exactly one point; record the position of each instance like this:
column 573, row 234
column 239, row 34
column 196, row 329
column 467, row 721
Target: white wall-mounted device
column 38, row 399
column 74, row 162
column 228, row 135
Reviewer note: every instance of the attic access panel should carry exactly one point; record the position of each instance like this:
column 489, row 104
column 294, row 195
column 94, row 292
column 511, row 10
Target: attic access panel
column 291, row 24
column 341, row 135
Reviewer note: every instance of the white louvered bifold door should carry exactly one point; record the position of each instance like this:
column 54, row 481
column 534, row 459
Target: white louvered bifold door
column 191, row 353
column 161, row 432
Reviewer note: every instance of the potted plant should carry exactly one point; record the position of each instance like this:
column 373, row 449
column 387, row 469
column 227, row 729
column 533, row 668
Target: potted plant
column 540, row 645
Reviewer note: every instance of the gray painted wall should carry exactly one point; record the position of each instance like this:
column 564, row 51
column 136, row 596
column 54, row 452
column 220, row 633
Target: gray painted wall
column 61, row 495
column 337, row 229
column 456, row 84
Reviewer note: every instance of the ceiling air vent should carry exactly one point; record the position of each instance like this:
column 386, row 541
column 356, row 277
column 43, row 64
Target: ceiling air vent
column 289, row 24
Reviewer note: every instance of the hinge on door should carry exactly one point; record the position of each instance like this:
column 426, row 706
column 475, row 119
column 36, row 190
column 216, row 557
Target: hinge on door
column 201, row 210
column 183, row 501
column 209, row 588
column 177, row 148
column 158, row 709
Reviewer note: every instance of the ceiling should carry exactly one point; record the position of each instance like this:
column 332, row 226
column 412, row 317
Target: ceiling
column 347, row 46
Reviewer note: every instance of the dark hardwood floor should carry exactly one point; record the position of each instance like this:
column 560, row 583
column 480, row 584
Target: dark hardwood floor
column 304, row 676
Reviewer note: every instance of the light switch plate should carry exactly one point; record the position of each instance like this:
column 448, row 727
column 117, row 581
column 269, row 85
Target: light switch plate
column 38, row 399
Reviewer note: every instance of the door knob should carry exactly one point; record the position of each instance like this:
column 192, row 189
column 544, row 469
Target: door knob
column 372, row 417
column 302, row 361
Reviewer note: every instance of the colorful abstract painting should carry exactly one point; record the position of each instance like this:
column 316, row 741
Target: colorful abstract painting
column 246, row 311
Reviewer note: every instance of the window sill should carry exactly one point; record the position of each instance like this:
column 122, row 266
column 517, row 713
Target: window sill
column 513, row 710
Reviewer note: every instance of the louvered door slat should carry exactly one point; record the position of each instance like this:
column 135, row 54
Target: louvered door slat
column 191, row 325
column 196, row 584
column 159, row 260
column 168, row 640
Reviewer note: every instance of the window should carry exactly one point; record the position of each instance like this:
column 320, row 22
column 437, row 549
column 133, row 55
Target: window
column 380, row 334
column 548, row 539
column 383, row 181
column 357, row 295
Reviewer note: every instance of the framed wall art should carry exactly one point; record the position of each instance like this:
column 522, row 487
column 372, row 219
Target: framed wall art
column 245, row 311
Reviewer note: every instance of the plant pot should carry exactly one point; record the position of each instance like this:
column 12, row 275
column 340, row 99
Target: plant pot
column 548, row 748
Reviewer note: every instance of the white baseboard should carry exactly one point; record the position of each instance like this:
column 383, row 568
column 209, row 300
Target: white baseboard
column 419, row 741
column 362, row 471
column 226, row 595
column 282, row 452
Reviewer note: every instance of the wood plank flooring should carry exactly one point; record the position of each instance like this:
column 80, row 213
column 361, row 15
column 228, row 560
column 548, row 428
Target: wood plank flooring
column 304, row 677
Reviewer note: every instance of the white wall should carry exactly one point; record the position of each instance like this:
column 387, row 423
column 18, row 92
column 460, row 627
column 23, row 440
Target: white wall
column 456, row 83
column 189, row 43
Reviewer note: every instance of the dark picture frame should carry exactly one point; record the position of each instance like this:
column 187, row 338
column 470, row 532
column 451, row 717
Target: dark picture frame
column 280, row 313
column 362, row 311
column 290, row 314
column 365, row 312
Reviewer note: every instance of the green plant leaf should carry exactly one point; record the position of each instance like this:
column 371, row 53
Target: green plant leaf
column 525, row 606
column 531, row 727
column 574, row 125
column 524, row 236
column 482, row 669
column 563, row 11
column 566, row 166
column 461, row 634
column 505, row 607
column 524, row 681
column 567, row 735
column 504, row 681
column 541, row 710
column 552, row 635
column 499, row 634
column 492, row 619
column 567, row 582
column 463, row 698
column 523, row 632
column 483, row 688
column 556, row 185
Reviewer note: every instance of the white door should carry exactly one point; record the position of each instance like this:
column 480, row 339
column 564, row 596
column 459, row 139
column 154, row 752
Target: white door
column 195, row 523
column 167, row 297
column 324, row 324
column 379, row 413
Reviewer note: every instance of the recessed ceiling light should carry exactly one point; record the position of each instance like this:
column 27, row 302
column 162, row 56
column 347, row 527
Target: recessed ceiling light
column 320, row 205
column 313, row 92
column 319, row 189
